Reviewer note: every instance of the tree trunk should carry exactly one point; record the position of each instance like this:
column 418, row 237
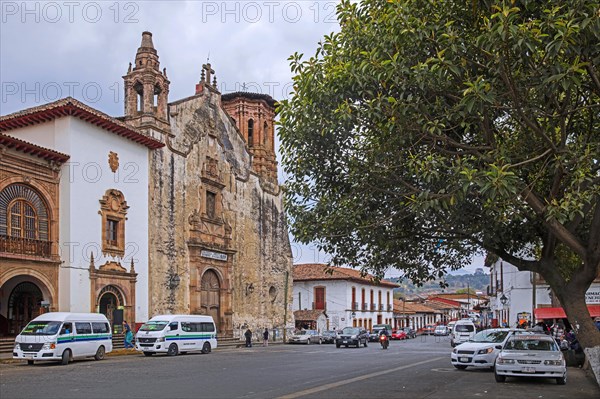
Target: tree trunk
column 572, row 299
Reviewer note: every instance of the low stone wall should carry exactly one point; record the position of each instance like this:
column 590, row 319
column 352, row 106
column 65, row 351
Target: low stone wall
column 593, row 356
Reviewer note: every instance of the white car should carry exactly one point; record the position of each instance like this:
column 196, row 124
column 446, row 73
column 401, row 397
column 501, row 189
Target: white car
column 531, row 356
column 306, row 337
column 481, row 351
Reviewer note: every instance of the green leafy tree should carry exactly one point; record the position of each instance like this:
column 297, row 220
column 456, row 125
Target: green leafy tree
column 424, row 132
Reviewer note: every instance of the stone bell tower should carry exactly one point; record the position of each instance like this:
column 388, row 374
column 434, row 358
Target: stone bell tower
column 254, row 115
column 147, row 91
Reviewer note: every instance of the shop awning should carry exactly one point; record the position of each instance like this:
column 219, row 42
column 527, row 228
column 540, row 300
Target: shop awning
column 559, row 313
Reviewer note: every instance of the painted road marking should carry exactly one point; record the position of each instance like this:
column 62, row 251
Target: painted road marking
column 352, row 380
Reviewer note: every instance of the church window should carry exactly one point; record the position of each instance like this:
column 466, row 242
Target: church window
column 113, row 209
column 251, row 133
column 211, row 204
column 139, row 89
column 112, row 232
column 265, row 130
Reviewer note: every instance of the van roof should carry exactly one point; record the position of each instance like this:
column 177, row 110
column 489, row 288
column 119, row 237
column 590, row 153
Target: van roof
column 67, row 316
column 171, row 317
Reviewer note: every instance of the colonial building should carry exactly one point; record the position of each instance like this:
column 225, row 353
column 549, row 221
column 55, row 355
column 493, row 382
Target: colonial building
column 347, row 298
column 521, row 295
column 184, row 211
column 73, row 214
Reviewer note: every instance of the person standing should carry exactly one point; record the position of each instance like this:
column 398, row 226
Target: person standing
column 128, row 336
column 266, row 337
column 558, row 330
column 248, row 335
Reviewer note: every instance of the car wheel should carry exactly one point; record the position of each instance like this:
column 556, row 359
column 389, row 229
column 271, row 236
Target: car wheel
column 206, row 348
column 499, row 378
column 365, row 343
column 308, row 341
column 460, row 366
column 99, row 353
column 148, row 353
column 337, row 345
column 320, row 341
column 561, row 380
column 173, row 350
column 66, row 357
column 30, row 362
column 346, row 345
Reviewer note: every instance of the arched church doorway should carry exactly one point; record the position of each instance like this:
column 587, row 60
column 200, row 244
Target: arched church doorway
column 210, row 296
column 110, row 300
column 24, row 304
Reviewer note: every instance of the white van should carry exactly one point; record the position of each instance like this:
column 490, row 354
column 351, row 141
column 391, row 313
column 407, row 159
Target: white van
column 174, row 334
column 463, row 331
column 64, row 336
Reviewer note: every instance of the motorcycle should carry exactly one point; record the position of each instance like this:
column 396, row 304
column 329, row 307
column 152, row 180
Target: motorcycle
column 384, row 341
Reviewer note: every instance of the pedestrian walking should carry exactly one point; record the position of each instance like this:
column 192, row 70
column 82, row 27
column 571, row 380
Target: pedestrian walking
column 558, row 330
column 128, row 336
column 248, row 335
column 266, row 337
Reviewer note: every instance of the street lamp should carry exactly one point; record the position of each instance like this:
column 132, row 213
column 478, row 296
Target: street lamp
column 503, row 300
column 352, row 316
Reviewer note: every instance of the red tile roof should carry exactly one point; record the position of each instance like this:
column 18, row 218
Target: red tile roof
column 71, row 107
column 32, row 149
column 321, row 271
column 402, row 307
column 307, row 315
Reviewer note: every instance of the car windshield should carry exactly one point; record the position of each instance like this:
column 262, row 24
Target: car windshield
column 41, row 328
column 154, row 326
column 350, row 330
column 464, row 328
column 531, row 345
column 490, row 336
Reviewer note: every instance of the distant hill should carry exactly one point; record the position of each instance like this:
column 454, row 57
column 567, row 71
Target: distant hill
column 475, row 282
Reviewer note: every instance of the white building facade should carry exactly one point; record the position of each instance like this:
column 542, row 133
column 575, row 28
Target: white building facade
column 347, row 298
column 100, row 213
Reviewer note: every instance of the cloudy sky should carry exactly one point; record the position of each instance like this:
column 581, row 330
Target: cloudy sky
column 50, row 50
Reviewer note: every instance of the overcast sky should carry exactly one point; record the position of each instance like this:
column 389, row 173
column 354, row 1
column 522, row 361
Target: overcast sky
column 50, row 50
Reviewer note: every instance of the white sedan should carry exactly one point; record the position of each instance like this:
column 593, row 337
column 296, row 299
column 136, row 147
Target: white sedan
column 482, row 350
column 531, row 356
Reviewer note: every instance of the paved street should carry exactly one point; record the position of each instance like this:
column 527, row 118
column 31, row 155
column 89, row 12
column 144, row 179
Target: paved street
column 418, row 368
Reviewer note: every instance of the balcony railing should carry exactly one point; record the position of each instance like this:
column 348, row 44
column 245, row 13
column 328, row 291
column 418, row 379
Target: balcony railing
column 354, row 305
column 364, row 306
column 373, row 306
column 25, row 246
column 381, row 307
column 389, row 307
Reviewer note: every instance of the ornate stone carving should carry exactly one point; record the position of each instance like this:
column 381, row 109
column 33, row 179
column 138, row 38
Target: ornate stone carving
column 113, row 161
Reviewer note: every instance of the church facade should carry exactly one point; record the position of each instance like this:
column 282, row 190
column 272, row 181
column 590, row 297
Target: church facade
column 214, row 232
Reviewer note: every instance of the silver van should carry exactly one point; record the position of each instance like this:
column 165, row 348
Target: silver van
column 463, row 331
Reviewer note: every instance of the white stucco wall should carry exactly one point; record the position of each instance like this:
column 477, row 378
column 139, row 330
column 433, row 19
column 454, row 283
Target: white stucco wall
column 338, row 298
column 85, row 178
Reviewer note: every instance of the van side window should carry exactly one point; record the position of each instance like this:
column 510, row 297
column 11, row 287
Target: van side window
column 207, row 327
column 83, row 328
column 187, row 327
column 173, row 326
column 67, row 328
column 100, row 328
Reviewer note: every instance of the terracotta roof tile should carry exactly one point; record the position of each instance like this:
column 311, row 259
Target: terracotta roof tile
column 306, row 315
column 321, row 271
column 71, row 107
column 412, row 307
column 32, row 149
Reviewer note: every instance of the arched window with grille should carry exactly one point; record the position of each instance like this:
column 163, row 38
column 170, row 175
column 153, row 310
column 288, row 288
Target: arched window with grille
column 251, row 133
column 24, row 226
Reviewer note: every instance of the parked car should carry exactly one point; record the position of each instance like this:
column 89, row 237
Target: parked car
column 450, row 325
column 398, row 334
column 441, row 331
column 373, row 336
column 428, row 329
column 306, row 337
column 352, row 336
column 532, row 355
column 464, row 330
column 410, row 333
column 329, row 336
column 481, row 351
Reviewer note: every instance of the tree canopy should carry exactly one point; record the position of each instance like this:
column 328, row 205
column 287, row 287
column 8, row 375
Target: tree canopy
column 424, row 132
